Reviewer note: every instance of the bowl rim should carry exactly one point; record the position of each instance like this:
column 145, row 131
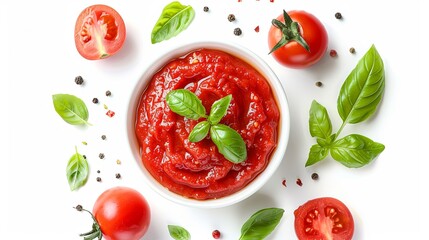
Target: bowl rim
column 277, row 155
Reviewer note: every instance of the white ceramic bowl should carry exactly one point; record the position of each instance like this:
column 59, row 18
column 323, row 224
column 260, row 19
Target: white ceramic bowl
column 283, row 133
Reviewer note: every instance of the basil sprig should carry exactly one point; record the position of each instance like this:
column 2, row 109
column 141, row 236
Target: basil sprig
column 261, row 224
column 229, row 142
column 174, row 18
column 178, row 232
column 71, row 109
column 77, row 171
column 359, row 97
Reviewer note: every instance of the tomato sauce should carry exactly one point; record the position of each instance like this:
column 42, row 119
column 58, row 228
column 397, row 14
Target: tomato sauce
column 198, row 170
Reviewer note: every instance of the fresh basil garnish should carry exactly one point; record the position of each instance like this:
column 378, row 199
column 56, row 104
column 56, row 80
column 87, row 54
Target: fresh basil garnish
column 358, row 99
column 355, row 150
column 261, row 224
column 71, row 109
column 218, row 109
column 228, row 141
column 199, row 132
column 77, row 171
column 186, row 104
column 178, row 232
column 174, row 18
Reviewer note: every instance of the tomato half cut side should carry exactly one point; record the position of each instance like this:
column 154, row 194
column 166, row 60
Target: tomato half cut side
column 99, row 32
column 324, row 219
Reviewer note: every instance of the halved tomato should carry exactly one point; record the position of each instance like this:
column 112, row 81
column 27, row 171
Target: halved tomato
column 324, row 219
column 99, row 32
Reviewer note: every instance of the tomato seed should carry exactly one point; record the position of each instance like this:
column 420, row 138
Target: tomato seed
column 299, row 182
column 333, row 53
column 216, row 234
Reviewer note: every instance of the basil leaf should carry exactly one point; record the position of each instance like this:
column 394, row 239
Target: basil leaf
column 77, row 171
column 186, row 104
column 317, row 153
column 363, row 88
column 174, row 18
column 199, row 132
column 320, row 124
column 261, row 224
column 71, row 109
column 355, row 150
column 229, row 143
column 178, row 232
column 218, row 109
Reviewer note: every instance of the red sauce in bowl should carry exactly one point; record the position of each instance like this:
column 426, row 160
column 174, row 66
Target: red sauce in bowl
column 198, row 170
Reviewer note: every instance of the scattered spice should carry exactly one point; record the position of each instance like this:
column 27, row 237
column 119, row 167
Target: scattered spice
column 338, row 15
column 98, row 171
column 206, row 9
column 79, row 208
column 84, row 156
column 98, row 179
column 108, row 93
column 103, row 137
column 118, row 175
column 284, row 182
column 319, row 84
column 271, row 0
column 237, row 31
column 315, row 176
column 78, row 80
column 105, row 106
column 95, row 100
column 110, row 113
column 352, row 50
column 299, row 182
column 84, row 143
column 216, row 234
column 231, row 17
column 118, row 161
column 257, row 28
column 101, row 155
column 333, row 53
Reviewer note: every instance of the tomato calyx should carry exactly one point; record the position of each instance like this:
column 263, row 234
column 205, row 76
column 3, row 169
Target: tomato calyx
column 95, row 231
column 290, row 32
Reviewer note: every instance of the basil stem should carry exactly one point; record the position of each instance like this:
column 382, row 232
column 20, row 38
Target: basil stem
column 261, row 224
column 178, row 232
column 174, row 19
column 71, row 109
column 77, row 171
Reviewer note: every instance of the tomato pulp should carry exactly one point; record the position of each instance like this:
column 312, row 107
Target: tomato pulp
column 197, row 170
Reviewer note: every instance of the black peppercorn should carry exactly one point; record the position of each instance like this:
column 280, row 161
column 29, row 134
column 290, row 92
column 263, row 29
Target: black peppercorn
column 103, row 137
column 352, row 50
column 206, row 9
column 338, row 15
column 231, row 17
column 98, row 179
column 314, row 176
column 95, row 100
column 118, row 175
column 319, row 84
column 108, row 93
column 79, row 208
column 101, row 155
column 237, row 31
column 78, row 80
column 98, row 171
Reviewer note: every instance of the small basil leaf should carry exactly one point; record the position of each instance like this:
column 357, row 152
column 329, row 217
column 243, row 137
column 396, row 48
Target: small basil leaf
column 320, row 124
column 355, row 150
column 218, row 109
column 174, row 18
column 229, row 143
column 71, row 109
column 317, row 153
column 363, row 88
column 77, row 171
column 178, row 232
column 186, row 104
column 261, row 224
column 199, row 132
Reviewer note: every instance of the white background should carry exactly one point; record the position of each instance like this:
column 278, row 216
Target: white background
column 39, row 59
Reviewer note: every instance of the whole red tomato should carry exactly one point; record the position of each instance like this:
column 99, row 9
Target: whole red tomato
column 324, row 218
column 99, row 32
column 298, row 42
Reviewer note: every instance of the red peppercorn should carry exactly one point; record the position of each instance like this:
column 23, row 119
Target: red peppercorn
column 110, row 113
column 216, row 234
column 333, row 53
column 257, row 28
column 284, row 182
column 299, row 182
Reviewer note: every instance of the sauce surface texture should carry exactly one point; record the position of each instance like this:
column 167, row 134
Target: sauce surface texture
column 198, row 170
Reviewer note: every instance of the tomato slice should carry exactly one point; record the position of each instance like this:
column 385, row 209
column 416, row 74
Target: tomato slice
column 99, row 32
column 324, row 219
